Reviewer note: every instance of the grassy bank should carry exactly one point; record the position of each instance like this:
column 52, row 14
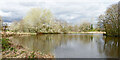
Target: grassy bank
column 10, row 50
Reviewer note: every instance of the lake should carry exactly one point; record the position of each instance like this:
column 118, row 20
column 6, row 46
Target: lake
column 71, row 45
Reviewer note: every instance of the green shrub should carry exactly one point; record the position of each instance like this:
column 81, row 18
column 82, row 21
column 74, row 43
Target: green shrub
column 5, row 44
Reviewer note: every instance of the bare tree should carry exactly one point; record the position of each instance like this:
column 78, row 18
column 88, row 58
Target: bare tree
column 85, row 27
column 40, row 21
column 109, row 21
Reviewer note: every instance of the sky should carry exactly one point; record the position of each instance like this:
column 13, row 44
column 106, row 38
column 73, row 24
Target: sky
column 72, row 11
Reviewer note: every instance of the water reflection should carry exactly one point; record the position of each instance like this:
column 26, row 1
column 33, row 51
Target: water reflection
column 71, row 45
column 110, row 46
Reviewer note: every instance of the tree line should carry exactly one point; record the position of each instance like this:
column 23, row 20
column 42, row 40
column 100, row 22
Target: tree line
column 43, row 21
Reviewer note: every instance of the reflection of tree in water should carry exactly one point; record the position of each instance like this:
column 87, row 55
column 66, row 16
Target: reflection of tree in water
column 110, row 46
column 86, row 38
column 48, row 42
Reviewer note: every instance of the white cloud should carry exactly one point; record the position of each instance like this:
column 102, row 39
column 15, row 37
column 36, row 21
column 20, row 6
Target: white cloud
column 7, row 14
column 69, row 10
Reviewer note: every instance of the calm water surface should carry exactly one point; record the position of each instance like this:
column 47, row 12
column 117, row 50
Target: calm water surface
column 71, row 45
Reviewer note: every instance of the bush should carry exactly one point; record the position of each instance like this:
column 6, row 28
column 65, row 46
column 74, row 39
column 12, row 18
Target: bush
column 5, row 44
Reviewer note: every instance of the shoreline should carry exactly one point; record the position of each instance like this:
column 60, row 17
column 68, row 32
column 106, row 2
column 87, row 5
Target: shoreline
column 18, row 33
column 88, row 32
column 104, row 34
column 18, row 51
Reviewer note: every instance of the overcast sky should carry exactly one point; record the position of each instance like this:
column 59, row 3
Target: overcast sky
column 72, row 11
